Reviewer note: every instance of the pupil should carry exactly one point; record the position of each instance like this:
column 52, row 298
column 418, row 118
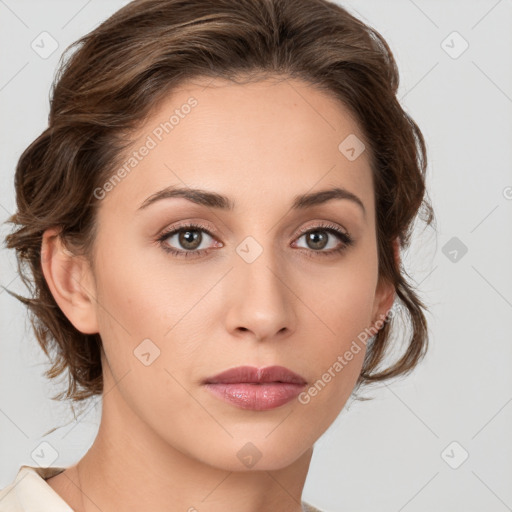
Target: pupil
column 318, row 241
column 189, row 239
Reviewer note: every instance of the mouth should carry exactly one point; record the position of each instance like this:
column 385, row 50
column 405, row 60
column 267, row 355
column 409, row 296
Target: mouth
column 256, row 389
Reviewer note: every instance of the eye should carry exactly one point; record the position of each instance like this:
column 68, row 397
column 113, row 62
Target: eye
column 186, row 241
column 320, row 237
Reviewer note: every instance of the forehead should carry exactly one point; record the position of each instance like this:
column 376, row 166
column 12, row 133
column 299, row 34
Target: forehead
column 256, row 142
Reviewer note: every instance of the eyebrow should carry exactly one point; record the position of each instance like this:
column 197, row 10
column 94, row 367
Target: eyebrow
column 219, row 201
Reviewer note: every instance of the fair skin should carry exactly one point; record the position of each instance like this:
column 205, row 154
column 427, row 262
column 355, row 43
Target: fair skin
column 164, row 442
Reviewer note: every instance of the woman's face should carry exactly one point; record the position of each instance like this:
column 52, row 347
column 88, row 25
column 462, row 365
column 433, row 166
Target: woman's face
column 249, row 286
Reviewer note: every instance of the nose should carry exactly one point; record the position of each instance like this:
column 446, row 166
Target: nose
column 261, row 301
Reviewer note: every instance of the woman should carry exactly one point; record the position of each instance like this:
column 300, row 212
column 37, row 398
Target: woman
column 213, row 222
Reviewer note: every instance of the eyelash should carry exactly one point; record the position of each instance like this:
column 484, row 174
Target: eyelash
column 345, row 238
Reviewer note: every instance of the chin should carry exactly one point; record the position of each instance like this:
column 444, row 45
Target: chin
column 263, row 452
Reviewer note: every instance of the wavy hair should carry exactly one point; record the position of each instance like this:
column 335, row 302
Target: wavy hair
column 110, row 80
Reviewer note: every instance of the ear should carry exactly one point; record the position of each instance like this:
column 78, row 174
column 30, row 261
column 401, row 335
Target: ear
column 385, row 293
column 70, row 280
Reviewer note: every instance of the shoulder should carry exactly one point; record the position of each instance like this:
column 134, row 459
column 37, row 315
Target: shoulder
column 29, row 492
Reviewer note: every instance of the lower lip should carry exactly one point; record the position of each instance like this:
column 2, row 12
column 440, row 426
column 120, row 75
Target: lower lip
column 256, row 397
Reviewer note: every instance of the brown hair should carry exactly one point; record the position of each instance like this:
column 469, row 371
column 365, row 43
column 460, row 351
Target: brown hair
column 119, row 72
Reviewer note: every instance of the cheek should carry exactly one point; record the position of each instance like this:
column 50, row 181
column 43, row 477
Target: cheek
column 140, row 298
column 342, row 309
column 139, row 319
column 148, row 319
column 344, row 299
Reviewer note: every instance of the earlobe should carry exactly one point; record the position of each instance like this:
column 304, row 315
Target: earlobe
column 385, row 295
column 69, row 278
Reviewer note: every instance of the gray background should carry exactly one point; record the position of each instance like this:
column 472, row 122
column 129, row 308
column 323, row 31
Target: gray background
column 394, row 453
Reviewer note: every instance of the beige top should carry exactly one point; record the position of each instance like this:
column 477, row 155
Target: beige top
column 31, row 493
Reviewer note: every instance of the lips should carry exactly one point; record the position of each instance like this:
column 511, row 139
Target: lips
column 257, row 389
column 250, row 374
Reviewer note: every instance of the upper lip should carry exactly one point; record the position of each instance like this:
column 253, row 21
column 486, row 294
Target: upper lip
column 250, row 374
